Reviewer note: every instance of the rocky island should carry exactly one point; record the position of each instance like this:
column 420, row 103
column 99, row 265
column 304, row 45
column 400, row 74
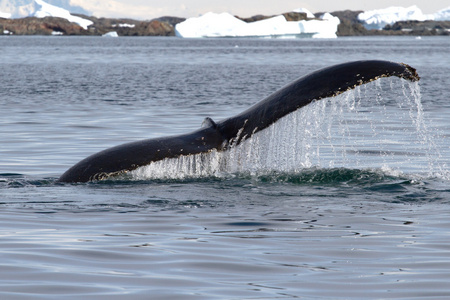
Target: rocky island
column 343, row 23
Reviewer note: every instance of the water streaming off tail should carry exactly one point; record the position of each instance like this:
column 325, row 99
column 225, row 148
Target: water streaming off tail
column 380, row 125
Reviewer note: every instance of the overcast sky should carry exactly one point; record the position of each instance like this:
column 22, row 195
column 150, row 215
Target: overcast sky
column 149, row 9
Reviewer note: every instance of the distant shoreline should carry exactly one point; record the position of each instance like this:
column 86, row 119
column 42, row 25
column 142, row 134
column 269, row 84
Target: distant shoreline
column 165, row 26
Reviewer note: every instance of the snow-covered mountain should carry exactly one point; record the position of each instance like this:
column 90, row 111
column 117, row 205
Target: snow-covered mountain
column 40, row 9
column 442, row 15
column 19, row 8
column 226, row 25
column 377, row 19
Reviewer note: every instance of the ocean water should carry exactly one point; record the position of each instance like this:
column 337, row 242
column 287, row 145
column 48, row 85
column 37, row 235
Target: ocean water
column 347, row 198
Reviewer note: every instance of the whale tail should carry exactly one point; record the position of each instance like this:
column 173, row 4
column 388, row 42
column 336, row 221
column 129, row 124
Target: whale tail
column 324, row 83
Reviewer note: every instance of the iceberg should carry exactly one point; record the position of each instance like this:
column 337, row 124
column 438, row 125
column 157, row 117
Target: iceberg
column 111, row 34
column 325, row 27
column 379, row 18
column 226, row 25
column 209, row 25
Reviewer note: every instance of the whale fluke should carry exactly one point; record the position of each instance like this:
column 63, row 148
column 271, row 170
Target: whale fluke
column 324, row 83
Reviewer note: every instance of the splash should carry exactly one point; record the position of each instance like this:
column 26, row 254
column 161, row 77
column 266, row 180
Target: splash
column 380, row 125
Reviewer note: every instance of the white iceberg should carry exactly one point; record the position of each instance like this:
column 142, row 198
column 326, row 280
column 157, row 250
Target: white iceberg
column 209, row 25
column 225, row 25
column 379, row 18
column 111, row 34
column 326, row 27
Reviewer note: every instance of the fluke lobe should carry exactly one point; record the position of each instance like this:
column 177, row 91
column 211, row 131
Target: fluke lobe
column 324, row 83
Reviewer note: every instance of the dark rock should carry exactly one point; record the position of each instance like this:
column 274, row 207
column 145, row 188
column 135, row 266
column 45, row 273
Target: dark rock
column 254, row 18
column 123, row 27
column 350, row 25
column 295, row 16
column 130, row 27
column 349, row 15
column 155, row 28
column 171, row 20
column 347, row 28
column 424, row 28
column 40, row 26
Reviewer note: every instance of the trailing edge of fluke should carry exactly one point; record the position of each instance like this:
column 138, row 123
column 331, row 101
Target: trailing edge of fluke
column 324, row 83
